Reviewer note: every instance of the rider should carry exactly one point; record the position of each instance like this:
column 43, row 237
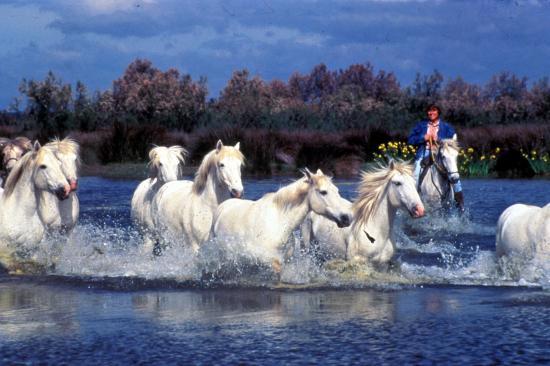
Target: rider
column 423, row 135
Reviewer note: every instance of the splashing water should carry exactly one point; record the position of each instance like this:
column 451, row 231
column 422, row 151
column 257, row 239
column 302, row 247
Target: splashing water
column 436, row 249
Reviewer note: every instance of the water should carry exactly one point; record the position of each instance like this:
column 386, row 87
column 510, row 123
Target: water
column 450, row 301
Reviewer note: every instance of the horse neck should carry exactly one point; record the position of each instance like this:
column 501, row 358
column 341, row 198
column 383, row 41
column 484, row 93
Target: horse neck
column 49, row 206
column 380, row 223
column 157, row 184
column 214, row 191
column 434, row 184
column 24, row 194
column 293, row 203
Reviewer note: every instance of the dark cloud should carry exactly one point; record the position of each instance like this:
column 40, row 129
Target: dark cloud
column 274, row 39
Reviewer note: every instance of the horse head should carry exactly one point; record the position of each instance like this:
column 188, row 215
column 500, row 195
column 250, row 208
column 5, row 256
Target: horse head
column 165, row 162
column 401, row 189
column 228, row 162
column 12, row 150
column 67, row 152
column 447, row 159
column 324, row 198
column 47, row 172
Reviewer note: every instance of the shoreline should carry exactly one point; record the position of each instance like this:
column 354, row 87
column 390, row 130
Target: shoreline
column 138, row 171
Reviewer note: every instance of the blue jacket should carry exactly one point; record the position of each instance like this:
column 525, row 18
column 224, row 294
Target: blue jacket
column 416, row 138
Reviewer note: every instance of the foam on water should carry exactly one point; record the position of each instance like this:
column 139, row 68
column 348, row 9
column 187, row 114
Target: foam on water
column 104, row 250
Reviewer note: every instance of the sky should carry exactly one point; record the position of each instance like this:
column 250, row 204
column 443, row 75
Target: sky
column 94, row 40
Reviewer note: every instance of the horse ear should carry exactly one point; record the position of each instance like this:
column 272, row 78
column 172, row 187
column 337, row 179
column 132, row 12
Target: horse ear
column 392, row 164
column 36, row 146
column 306, row 173
column 454, row 137
column 238, row 146
column 319, row 172
column 219, row 145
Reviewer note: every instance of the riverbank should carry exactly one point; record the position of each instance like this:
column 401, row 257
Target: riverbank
column 139, row 171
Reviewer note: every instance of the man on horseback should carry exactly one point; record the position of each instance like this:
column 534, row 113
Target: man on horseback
column 425, row 136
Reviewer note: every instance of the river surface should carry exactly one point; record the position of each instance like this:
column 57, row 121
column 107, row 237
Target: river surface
column 448, row 301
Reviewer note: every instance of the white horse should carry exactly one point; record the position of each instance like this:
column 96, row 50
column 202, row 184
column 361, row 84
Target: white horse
column 164, row 166
column 265, row 226
column 523, row 231
column 62, row 216
column 382, row 192
column 435, row 187
column 36, row 177
column 182, row 210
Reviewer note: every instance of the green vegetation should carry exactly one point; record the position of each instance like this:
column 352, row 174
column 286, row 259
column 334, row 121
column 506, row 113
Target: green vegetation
column 331, row 118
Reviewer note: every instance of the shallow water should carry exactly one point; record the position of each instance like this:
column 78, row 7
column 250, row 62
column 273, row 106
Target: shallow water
column 449, row 301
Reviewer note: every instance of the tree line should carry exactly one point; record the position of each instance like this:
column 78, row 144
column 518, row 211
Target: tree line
column 357, row 97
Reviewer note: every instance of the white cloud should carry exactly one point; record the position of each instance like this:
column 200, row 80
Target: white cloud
column 112, row 6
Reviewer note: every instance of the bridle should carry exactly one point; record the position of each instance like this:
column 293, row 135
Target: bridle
column 437, row 161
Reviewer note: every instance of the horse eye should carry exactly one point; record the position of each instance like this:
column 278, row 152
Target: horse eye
column 222, row 165
column 324, row 193
column 42, row 166
column 397, row 183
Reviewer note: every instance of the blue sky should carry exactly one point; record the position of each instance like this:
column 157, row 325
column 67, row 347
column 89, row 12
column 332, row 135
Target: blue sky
column 94, row 40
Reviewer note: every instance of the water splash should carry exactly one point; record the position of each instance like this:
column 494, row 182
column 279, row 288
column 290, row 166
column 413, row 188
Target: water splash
column 107, row 251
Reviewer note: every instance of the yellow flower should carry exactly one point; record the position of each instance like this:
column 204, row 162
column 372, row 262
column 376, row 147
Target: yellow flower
column 470, row 150
column 482, row 157
column 497, row 150
column 534, row 152
column 493, row 157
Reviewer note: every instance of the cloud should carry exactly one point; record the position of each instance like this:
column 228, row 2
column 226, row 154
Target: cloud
column 94, row 41
column 113, row 6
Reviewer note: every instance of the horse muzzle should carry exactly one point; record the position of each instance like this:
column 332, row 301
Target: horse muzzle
column 453, row 178
column 62, row 193
column 73, row 183
column 235, row 193
column 417, row 211
column 343, row 221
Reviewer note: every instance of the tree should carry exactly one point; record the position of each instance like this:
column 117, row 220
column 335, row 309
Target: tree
column 508, row 97
column 49, row 103
column 462, row 102
column 246, row 101
column 151, row 95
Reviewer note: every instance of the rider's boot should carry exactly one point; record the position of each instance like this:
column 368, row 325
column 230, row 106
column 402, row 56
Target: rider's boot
column 459, row 199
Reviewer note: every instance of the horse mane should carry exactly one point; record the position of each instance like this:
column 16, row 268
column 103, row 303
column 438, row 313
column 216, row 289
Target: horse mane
column 209, row 161
column 154, row 158
column 293, row 194
column 450, row 143
column 22, row 142
column 372, row 186
column 65, row 146
column 16, row 173
column 290, row 195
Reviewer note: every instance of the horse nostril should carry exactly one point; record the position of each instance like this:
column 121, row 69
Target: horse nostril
column 419, row 211
column 236, row 193
column 345, row 219
column 73, row 183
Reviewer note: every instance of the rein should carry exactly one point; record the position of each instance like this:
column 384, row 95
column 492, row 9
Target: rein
column 440, row 169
